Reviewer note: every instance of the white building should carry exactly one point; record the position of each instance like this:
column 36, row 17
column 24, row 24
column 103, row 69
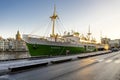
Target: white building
column 114, row 43
column 6, row 45
column 12, row 44
column 20, row 45
column 1, row 45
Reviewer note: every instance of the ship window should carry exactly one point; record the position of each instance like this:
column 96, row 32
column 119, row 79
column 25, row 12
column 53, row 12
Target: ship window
column 35, row 46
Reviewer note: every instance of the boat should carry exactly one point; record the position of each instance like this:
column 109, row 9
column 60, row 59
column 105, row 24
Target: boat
column 56, row 44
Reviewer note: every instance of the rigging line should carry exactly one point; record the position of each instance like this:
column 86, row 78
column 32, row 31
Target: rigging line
column 64, row 28
column 36, row 30
column 43, row 28
column 57, row 26
column 60, row 32
column 48, row 29
column 61, row 21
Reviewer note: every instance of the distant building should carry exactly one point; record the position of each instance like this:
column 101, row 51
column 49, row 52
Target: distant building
column 1, row 38
column 11, row 44
column 114, row 43
column 18, row 36
column 6, row 45
column 1, row 44
column 20, row 45
column 111, row 43
column 105, row 40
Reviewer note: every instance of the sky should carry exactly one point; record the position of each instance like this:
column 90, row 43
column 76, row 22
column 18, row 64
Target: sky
column 33, row 17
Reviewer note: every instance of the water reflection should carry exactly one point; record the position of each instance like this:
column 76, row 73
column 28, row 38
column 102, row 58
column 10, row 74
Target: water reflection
column 13, row 55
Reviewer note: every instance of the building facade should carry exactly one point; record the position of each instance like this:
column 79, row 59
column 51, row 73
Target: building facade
column 1, row 45
column 111, row 43
column 105, row 40
column 114, row 43
column 12, row 44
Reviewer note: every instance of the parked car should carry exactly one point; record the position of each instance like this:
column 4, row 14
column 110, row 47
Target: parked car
column 114, row 49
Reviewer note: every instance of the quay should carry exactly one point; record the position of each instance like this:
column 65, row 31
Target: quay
column 23, row 64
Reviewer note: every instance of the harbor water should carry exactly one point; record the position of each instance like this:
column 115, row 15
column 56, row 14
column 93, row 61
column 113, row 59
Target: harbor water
column 13, row 55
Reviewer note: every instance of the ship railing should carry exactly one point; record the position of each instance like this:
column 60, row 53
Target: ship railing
column 38, row 41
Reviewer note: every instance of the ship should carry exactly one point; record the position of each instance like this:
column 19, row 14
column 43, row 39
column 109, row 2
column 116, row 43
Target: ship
column 55, row 44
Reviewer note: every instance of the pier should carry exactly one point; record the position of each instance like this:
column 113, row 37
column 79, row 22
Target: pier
column 9, row 66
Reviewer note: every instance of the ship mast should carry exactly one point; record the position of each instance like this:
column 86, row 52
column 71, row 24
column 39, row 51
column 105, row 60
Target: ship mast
column 89, row 33
column 53, row 18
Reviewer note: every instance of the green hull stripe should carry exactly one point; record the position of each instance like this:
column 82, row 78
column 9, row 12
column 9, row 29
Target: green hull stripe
column 38, row 50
